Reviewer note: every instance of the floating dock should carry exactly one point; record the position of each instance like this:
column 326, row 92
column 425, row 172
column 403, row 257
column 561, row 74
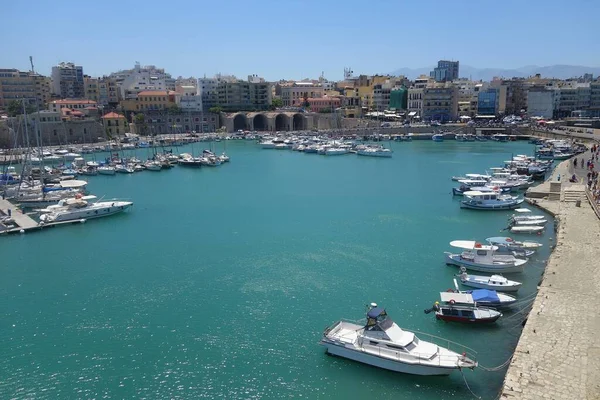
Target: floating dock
column 17, row 222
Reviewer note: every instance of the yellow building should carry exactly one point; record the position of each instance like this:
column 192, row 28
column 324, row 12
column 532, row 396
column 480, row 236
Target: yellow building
column 90, row 88
column 156, row 100
column 114, row 124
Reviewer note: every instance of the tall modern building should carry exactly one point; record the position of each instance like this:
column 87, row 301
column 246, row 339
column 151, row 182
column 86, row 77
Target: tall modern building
column 446, row 71
column 67, row 81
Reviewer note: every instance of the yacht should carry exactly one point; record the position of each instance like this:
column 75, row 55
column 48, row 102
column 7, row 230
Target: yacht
column 152, row 165
column 489, row 201
column 375, row 152
column 382, row 343
column 336, row 151
column 483, row 258
column 79, row 208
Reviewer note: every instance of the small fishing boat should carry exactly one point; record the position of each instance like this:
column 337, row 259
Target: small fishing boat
column 489, row 201
column 483, row 258
column 523, row 215
column 494, row 282
column 515, row 245
column 382, row 343
column 438, row 137
column 464, row 313
column 526, row 229
column 482, row 297
column 527, row 222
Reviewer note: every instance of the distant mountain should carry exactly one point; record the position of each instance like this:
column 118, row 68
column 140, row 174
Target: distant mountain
column 487, row 74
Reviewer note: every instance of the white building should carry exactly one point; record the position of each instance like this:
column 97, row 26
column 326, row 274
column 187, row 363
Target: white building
column 189, row 99
column 542, row 102
column 67, row 81
column 142, row 78
column 207, row 89
column 415, row 97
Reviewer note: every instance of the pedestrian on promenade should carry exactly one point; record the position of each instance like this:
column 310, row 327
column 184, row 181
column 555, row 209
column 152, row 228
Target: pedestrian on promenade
column 589, row 176
column 575, row 163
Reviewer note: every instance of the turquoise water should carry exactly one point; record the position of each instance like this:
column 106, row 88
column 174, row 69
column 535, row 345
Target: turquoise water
column 219, row 281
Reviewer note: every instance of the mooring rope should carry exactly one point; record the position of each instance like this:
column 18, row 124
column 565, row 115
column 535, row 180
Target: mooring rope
column 467, row 385
column 497, row 368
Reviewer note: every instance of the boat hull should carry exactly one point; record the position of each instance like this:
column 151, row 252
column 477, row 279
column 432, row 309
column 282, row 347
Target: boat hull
column 498, row 288
column 455, row 259
column 465, row 320
column 380, row 362
column 489, row 207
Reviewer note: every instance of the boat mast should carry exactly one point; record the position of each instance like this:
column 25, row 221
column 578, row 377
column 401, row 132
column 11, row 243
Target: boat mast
column 38, row 135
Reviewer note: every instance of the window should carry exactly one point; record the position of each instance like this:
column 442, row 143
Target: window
column 70, row 131
column 117, row 131
column 54, row 132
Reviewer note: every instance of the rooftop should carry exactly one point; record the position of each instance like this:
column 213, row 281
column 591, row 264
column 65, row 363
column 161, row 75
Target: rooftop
column 111, row 115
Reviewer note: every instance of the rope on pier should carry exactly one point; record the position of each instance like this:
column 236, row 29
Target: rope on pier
column 467, row 385
column 497, row 368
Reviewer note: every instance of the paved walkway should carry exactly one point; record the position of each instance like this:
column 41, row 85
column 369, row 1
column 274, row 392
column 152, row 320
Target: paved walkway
column 558, row 354
column 21, row 220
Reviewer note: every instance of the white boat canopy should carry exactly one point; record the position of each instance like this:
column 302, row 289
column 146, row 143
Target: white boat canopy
column 471, row 244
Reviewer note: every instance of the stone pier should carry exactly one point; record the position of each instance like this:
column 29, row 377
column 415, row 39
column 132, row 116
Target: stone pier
column 558, row 354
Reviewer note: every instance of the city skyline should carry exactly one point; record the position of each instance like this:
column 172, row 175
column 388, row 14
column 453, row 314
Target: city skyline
column 263, row 40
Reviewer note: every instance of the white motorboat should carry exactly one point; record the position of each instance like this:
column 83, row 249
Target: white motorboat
column 489, row 201
column 494, row 282
column 79, row 208
column 479, row 257
column 375, row 152
column 224, row 158
column 190, row 161
column 523, row 215
column 382, row 343
column 106, row 170
column 526, row 229
column 336, row 151
column 92, row 164
column 268, row 144
column 71, row 156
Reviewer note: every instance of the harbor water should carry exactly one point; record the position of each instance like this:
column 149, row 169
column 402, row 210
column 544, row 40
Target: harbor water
column 219, row 282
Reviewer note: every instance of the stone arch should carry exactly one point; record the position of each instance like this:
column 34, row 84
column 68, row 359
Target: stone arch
column 298, row 122
column 260, row 122
column 240, row 122
column 281, row 122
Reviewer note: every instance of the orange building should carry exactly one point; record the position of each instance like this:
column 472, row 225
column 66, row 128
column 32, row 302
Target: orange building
column 114, row 124
column 150, row 100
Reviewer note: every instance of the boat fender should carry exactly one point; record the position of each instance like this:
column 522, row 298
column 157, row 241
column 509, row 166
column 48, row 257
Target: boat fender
column 451, row 302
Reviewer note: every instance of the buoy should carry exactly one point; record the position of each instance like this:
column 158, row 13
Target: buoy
column 22, row 231
column 82, row 221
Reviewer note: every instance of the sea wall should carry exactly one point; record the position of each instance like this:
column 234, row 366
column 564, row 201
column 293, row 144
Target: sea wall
column 558, row 354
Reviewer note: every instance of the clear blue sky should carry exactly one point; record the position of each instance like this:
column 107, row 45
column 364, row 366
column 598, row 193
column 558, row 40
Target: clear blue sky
column 297, row 39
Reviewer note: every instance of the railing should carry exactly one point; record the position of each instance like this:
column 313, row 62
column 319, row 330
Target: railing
column 593, row 203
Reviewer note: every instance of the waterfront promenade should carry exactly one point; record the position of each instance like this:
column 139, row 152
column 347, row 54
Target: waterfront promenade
column 558, row 354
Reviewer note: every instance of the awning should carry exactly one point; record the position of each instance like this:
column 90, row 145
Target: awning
column 412, row 113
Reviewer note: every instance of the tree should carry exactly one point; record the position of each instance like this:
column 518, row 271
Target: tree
column 174, row 109
column 276, row 103
column 215, row 109
column 15, row 107
column 305, row 102
column 140, row 123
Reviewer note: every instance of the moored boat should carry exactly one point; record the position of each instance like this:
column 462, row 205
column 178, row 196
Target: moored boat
column 479, row 257
column 494, row 282
column 382, row 343
column 489, row 201
column 464, row 313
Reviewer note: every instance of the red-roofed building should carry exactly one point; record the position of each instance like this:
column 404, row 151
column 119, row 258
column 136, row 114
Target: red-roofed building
column 325, row 103
column 114, row 124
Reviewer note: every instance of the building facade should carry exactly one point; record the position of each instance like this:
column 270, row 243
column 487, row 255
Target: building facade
column 189, row 99
column 142, row 78
column 293, row 96
column 54, row 130
column 19, row 85
column 241, row 95
column 542, row 102
column 157, row 123
column 446, row 71
column 91, row 88
column 67, row 81
column 324, row 104
column 488, row 102
column 72, row 104
column 440, row 103
column 108, row 92
column 574, row 96
column 156, row 100
column 114, row 124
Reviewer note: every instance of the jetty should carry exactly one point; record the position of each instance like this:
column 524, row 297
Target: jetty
column 558, row 354
column 16, row 221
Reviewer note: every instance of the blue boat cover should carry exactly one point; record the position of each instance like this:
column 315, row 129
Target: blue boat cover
column 375, row 312
column 485, row 295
